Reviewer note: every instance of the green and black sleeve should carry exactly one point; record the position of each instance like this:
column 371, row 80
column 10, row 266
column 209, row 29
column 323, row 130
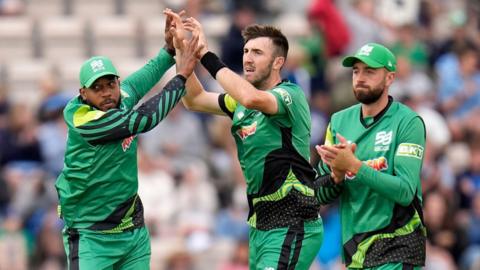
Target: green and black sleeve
column 99, row 127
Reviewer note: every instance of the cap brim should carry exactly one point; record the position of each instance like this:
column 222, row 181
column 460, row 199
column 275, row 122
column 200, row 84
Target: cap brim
column 349, row 61
column 98, row 75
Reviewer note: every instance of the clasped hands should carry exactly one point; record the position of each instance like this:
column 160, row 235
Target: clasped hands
column 175, row 32
column 340, row 157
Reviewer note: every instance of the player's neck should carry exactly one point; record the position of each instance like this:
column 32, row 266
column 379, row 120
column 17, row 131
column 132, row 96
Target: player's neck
column 271, row 82
column 376, row 107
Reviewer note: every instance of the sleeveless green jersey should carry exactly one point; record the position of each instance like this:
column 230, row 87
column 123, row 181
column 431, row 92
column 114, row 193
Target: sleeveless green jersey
column 380, row 207
column 274, row 154
column 97, row 188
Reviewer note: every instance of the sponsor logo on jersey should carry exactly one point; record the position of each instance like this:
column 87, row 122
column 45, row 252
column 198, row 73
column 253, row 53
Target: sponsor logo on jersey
column 127, row 142
column 284, row 94
column 246, row 131
column 383, row 139
column 410, row 150
column 378, row 164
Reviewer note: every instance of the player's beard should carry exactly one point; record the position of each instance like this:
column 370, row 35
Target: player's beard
column 259, row 80
column 369, row 95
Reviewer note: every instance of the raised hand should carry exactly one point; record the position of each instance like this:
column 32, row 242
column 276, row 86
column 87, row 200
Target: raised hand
column 169, row 23
column 174, row 21
column 188, row 56
column 194, row 26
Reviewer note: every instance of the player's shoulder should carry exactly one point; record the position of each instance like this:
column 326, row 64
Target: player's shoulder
column 73, row 105
column 349, row 111
column 403, row 111
column 292, row 89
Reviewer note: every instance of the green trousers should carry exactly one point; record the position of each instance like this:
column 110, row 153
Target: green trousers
column 292, row 247
column 87, row 249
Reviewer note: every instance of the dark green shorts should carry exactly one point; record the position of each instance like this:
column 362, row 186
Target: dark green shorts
column 292, row 247
column 87, row 249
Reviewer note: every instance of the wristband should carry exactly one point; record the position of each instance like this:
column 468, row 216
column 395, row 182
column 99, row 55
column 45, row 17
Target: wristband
column 169, row 50
column 212, row 63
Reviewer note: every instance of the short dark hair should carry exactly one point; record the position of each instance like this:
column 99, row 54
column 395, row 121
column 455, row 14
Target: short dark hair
column 279, row 40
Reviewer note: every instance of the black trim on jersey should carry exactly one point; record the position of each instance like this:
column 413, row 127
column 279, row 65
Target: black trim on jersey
column 295, row 207
column 147, row 111
column 378, row 116
column 223, row 106
column 295, row 233
column 73, row 240
column 407, row 266
column 115, row 218
column 403, row 252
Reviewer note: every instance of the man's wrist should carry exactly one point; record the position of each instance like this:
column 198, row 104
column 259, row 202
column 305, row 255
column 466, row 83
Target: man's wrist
column 170, row 50
column 212, row 63
column 355, row 167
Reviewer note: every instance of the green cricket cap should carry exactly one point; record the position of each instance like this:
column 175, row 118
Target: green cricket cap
column 94, row 68
column 373, row 55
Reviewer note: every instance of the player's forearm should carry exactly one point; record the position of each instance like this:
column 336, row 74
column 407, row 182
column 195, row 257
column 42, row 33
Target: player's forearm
column 118, row 124
column 393, row 187
column 141, row 81
column 237, row 87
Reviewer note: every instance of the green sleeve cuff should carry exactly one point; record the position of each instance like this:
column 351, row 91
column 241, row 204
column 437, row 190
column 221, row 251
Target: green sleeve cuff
column 364, row 173
column 165, row 56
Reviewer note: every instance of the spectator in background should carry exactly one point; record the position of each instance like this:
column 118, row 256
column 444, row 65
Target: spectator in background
column 395, row 13
column 469, row 181
column 11, row 7
column 196, row 204
column 19, row 141
column 171, row 153
column 459, row 90
column 295, row 70
column 410, row 47
column 232, row 43
column 52, row 129
column 411, row 82
column 363, row 24
column 444, row 231
column 326, row 18
column 239, row 258
column 156, row 187
column 471, row 256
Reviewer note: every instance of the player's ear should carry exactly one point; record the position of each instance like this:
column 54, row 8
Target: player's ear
column 278, row 62
column 390, row 78
column 83, row 94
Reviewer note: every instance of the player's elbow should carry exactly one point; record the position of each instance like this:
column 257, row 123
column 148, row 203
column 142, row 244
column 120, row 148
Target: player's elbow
column 405, row 199
column 250, row 101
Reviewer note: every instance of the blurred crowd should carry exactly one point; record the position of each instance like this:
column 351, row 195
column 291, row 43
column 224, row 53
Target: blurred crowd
column 189, row 178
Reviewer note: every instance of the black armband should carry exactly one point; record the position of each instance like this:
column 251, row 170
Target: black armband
column 323, row 181
column 212, row 63
column 169, row 50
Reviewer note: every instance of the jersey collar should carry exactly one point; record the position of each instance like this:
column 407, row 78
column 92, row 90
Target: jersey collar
column 376, row 117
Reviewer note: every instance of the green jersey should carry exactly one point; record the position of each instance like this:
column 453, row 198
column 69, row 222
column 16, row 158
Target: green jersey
column 97, row 188
column 274, row 154
column 380, row 207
